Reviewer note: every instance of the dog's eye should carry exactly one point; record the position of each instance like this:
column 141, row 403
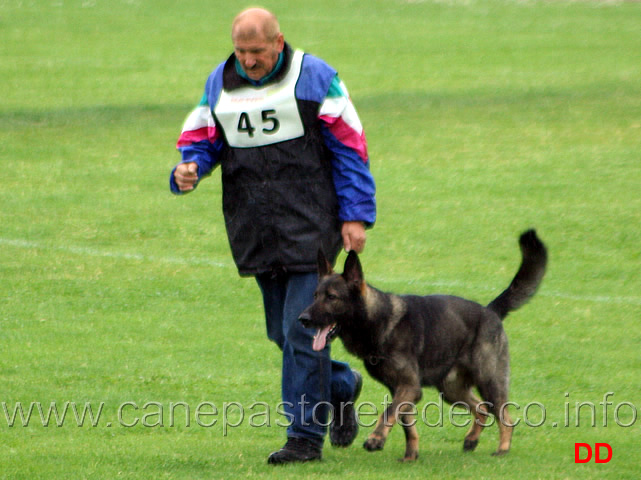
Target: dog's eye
column 331, row 296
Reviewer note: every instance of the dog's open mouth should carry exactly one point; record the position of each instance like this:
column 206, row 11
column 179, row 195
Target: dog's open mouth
column 323, row 336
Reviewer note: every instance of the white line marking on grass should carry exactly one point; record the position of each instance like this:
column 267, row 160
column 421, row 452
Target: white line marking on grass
column 550, row 294
column 596, row 299
column 94, row 252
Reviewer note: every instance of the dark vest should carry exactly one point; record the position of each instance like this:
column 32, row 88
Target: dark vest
column 279, row 199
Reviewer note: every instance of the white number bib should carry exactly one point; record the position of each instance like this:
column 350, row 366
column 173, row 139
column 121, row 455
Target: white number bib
column 259, row 116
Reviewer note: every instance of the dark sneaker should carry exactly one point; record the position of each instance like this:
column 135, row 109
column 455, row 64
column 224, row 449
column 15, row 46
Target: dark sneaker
column 344, row 426
column 296, row 450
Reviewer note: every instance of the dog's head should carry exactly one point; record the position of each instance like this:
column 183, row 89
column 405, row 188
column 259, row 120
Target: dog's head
column 336, row 299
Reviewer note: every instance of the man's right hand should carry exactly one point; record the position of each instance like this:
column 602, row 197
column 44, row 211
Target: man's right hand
column 186, row 176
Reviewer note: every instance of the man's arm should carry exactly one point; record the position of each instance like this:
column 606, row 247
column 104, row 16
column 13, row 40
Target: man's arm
column 355, row 187
column 200, row 146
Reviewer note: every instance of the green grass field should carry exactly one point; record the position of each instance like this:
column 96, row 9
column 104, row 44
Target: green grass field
column 483, row 118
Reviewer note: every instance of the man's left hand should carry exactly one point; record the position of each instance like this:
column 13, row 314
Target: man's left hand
column 354, row 236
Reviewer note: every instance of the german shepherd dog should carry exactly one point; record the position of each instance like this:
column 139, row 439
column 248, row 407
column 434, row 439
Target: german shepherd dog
column 409, row 341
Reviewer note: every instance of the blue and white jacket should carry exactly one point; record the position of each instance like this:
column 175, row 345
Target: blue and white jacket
column 294, row 161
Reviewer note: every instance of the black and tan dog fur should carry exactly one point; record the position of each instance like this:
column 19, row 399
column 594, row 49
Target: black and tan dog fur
column 409, row 341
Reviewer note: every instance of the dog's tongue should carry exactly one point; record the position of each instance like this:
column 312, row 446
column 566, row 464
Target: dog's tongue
column 320, row 339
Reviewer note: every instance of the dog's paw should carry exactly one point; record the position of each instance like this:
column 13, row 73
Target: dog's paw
column 374, row 443
column 469, row 445
column 500, row 453
column 409, row 457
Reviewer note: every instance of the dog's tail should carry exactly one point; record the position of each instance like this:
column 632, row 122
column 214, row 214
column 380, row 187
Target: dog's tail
column 527, row 279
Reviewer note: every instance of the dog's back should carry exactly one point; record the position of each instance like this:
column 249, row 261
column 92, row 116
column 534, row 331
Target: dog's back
column 439, row 331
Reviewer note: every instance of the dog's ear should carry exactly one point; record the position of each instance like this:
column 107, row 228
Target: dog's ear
column 353, row 271
column 324, row 267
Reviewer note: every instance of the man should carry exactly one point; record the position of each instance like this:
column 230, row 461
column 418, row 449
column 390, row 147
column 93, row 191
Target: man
column 295, row 177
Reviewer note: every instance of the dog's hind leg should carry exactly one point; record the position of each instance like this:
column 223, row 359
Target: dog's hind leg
column 479, row 410
column 505, row 428
column 456, row 389
column 492, row 378
column 496, row 396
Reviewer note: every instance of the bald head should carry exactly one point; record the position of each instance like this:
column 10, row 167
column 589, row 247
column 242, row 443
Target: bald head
column 257, row 41
column 255, row 23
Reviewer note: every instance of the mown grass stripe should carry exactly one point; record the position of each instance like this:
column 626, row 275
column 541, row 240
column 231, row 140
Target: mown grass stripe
column 77, row 250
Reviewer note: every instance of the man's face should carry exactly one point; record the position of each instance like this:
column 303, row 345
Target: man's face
column 257, row 55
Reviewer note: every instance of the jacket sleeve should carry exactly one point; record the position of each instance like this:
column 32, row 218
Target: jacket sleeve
column 344, row 136
column 199, row 142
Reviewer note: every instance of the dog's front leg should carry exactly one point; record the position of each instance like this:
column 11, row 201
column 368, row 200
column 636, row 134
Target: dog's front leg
column 403, row 406
column 376, row 439
column 411, row 437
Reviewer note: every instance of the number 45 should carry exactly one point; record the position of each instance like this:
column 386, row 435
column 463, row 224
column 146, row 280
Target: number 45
column 268, row 118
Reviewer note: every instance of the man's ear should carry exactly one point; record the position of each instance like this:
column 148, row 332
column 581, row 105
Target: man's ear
column 353, row 272
column 324, row 267
column 280, row 42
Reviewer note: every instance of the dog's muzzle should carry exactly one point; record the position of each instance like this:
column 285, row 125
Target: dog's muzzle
column 306, row 319
column 324, row 334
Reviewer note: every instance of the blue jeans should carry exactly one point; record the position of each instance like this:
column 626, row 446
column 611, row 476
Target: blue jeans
column 310, row 380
